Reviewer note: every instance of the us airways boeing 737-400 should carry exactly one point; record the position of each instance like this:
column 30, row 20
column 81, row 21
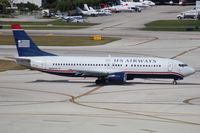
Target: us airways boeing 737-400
column 106, row 69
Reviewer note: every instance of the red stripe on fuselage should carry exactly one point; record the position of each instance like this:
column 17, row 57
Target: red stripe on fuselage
column 48, row 70
column 127, row 72
column 154, row 73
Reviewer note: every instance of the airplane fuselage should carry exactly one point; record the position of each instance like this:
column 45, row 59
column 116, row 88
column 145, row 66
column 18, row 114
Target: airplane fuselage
column 132, row 67
column 106, row 69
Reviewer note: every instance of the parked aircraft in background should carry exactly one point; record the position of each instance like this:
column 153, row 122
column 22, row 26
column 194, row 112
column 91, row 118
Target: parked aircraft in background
column 187, row 2
column 100, row 12
column 86, row 8
column 121, row 8
column 124, row 7
column 72, row 19
column 106, row 69
column 134, row 4
column 86, row 12
column 180, row 2
column 60, row 16
column 148, row 2
column 90, row 11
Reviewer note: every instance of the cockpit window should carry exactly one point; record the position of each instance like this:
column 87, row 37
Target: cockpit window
column 182, row 65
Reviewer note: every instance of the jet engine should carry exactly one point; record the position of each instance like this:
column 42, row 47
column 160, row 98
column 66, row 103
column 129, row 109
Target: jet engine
column 119, row 77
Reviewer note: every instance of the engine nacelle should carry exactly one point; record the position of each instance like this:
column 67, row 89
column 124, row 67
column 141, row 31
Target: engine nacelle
column 119, row 77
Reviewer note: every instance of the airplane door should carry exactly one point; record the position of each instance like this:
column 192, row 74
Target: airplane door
column 170, row 66
column 44, row 65
column 108, row 62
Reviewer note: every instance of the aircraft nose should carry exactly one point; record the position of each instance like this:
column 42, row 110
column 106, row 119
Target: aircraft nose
column 190, row 71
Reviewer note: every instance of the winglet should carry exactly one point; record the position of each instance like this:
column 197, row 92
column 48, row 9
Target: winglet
column 16, row 26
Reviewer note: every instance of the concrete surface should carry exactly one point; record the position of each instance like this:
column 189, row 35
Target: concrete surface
column 31, row 101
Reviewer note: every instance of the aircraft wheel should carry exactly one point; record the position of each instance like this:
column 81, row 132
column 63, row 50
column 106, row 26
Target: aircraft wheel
column 175, row 82
column 100, row 81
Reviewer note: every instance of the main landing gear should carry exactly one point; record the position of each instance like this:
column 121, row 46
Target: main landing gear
column 100, row 81
column 175, row 82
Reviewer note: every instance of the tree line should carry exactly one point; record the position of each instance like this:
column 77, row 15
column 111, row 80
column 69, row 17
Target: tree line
column 21, row 6
column 65, row 5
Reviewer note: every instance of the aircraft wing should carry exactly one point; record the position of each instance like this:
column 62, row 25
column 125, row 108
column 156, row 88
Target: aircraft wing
column 90, row 73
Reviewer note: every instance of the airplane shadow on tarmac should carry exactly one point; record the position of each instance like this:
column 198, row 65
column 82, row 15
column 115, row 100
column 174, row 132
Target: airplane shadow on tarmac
column 59, row 81
column 109, row 84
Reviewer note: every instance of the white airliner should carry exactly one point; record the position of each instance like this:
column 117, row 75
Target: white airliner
column 139, row 4
column 71, row 19
column 91, row 10
column 87, row 12
column 106, row 69
column 124, row 8
column 148, row 2
column 101, row 12
column 180, row 2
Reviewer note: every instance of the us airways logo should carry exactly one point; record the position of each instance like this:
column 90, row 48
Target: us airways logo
column 24, row 43
column 130, row 60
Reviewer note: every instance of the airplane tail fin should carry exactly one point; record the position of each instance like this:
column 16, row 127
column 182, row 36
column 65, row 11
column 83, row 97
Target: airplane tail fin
column 25, row 45
column 86, row 7
column 121, row 2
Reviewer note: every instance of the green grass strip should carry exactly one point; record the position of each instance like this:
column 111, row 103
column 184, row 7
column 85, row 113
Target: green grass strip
column 55, row 24
column 51, row 40
column 173, row 25
column 9, row 65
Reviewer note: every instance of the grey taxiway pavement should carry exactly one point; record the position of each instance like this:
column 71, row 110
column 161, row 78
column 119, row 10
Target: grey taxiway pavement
column 31, row 101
